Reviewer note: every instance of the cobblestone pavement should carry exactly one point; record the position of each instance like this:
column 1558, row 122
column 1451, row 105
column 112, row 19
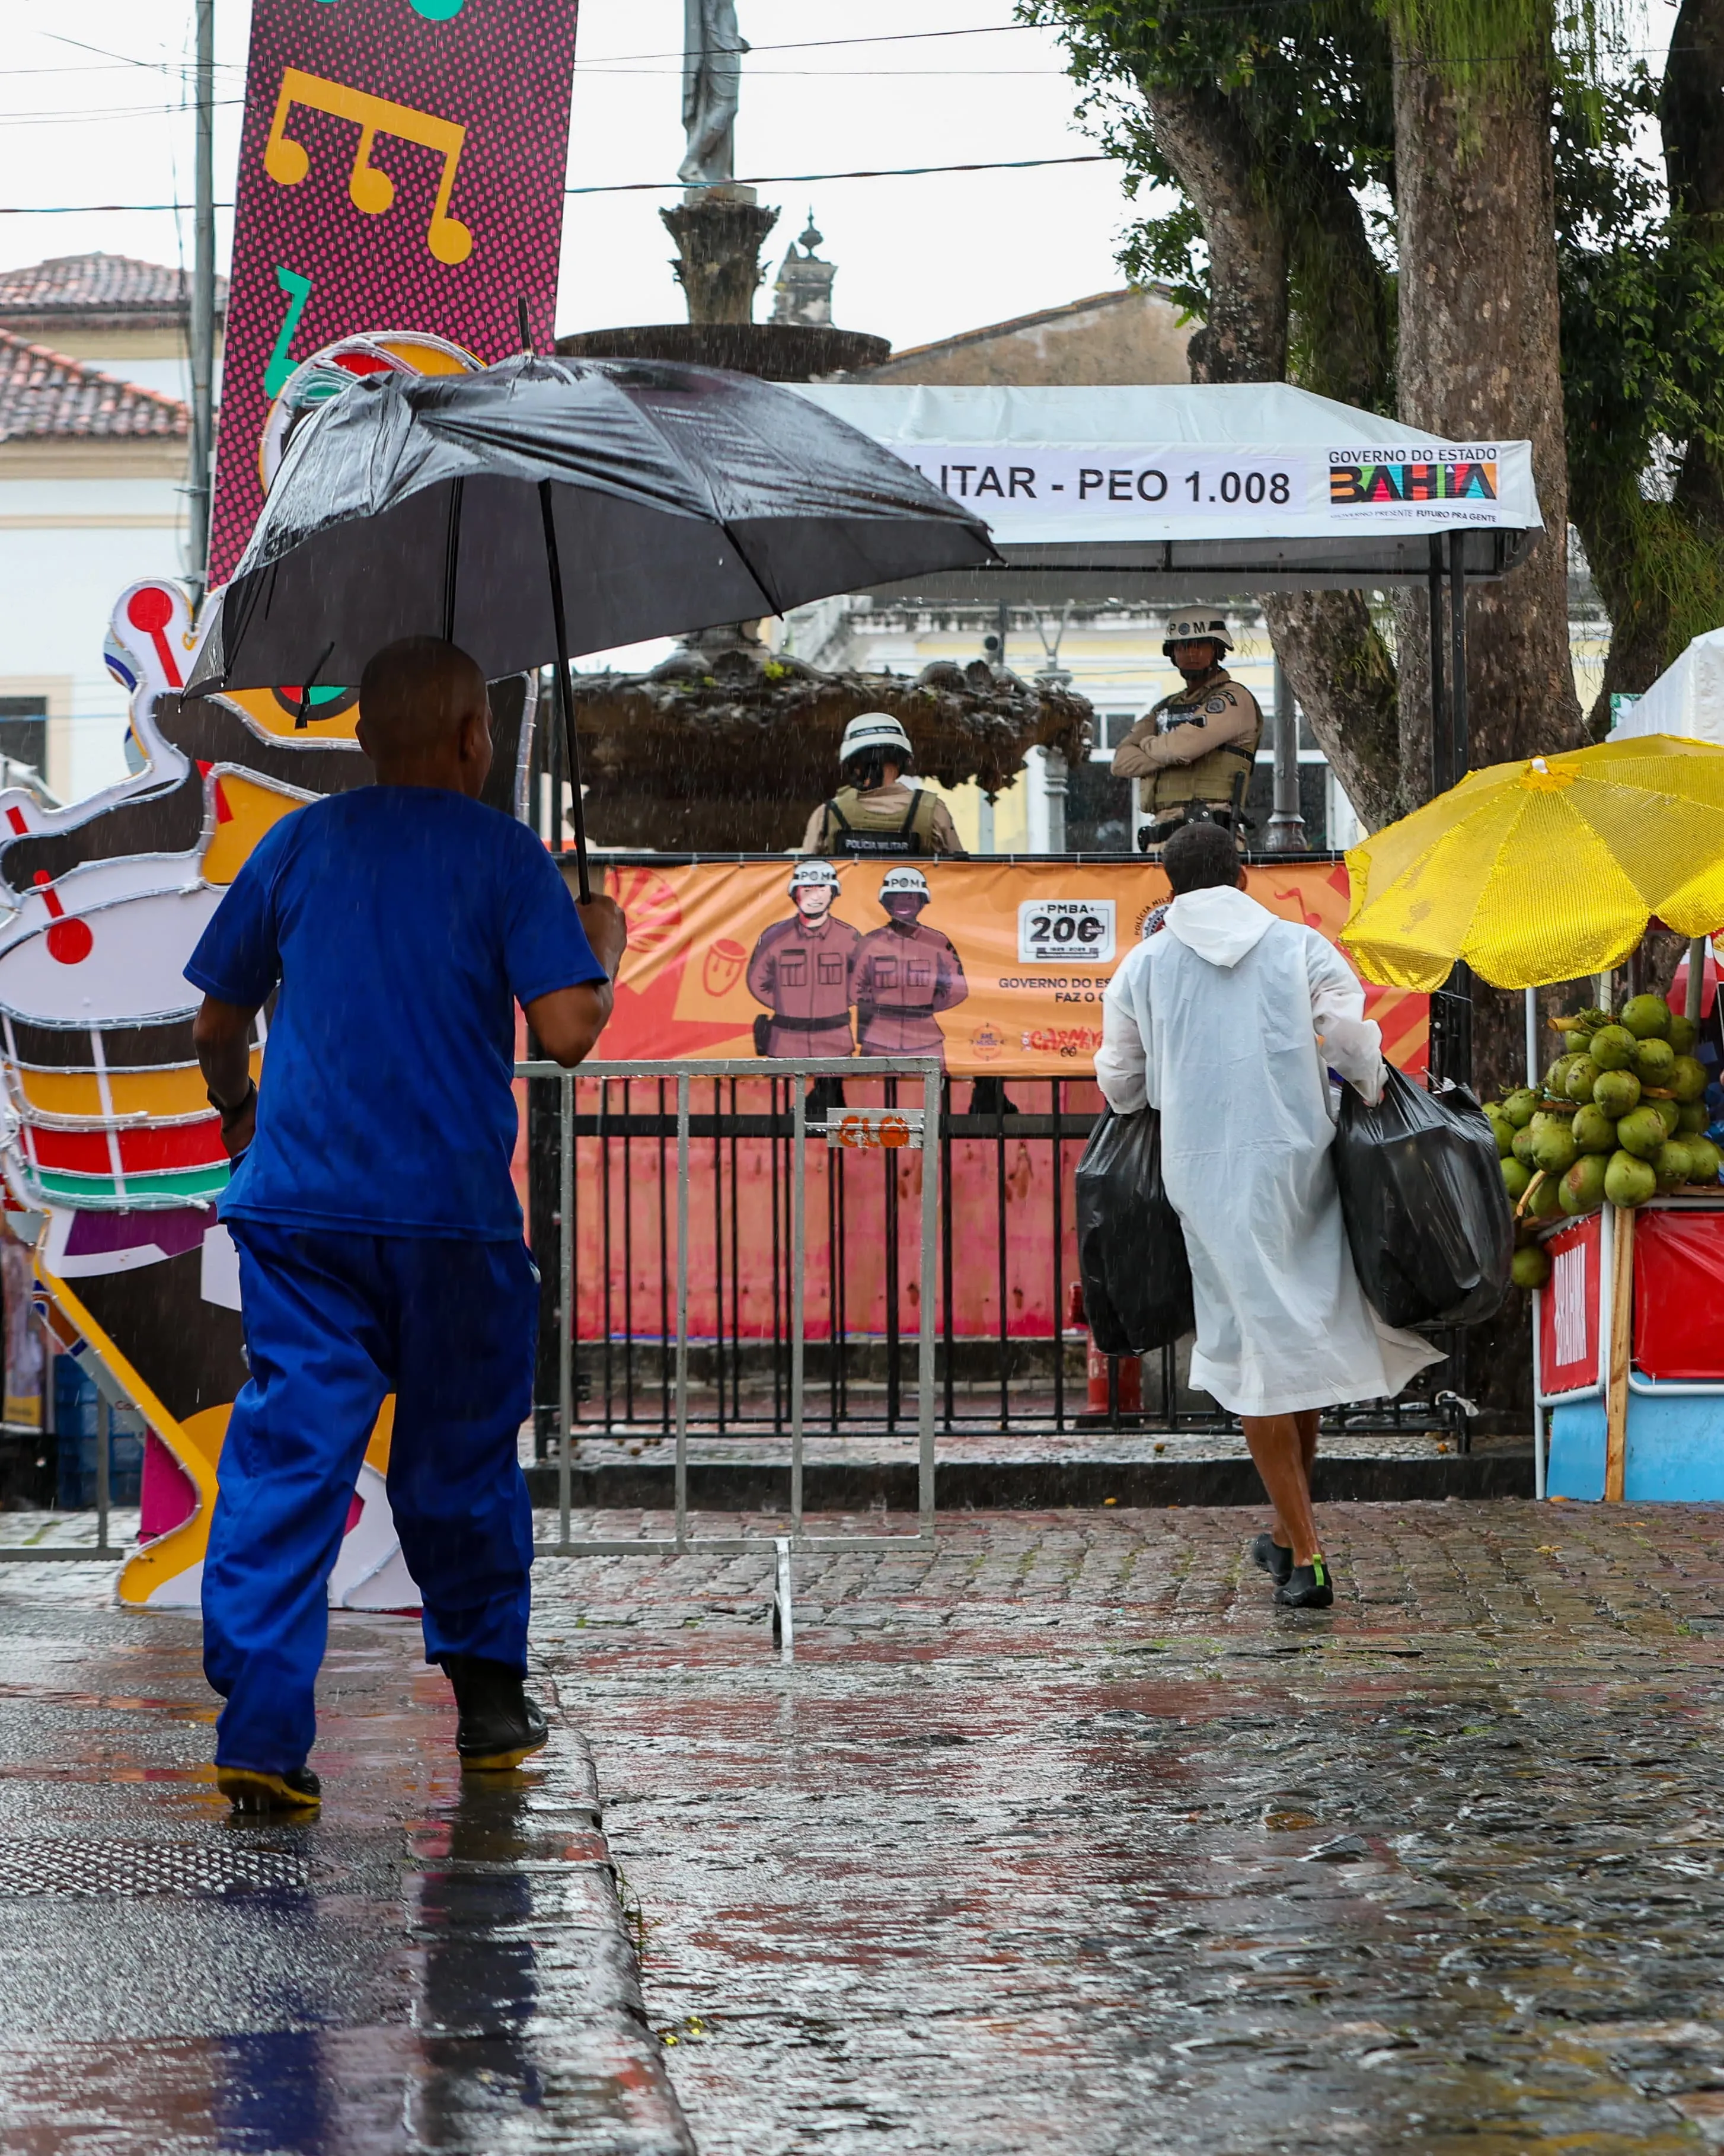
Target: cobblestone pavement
column 1063, row 1840
column 1058, row 1840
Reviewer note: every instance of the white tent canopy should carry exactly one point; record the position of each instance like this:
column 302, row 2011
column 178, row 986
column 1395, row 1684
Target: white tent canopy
column 1687, row 698
column 1167, row 492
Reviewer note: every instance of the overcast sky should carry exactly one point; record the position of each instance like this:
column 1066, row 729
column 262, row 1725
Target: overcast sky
column 917, row 258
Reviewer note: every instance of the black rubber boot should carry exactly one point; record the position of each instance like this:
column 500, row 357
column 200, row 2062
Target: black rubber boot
column 248, row 1789
column 1307, row 1587
column 499, row 1724
column 1273, row 1557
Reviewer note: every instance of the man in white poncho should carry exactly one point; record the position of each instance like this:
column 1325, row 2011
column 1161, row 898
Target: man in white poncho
column 1229, row 1019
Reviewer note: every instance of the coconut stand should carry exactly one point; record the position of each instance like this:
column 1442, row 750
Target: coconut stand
column 1551, row 870
column 1627, row 1333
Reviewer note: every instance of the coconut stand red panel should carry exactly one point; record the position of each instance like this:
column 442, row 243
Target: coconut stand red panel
column 1630, row 1330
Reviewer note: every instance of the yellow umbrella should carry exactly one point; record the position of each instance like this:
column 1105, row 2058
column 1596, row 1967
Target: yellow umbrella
column 1544, row 870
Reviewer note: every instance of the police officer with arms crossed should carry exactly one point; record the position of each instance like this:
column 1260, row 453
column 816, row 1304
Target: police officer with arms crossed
column 1192, row 757
column 874, row 812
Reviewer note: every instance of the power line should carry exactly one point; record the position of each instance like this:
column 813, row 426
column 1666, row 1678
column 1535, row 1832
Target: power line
column 598, row 61
column 626, row 186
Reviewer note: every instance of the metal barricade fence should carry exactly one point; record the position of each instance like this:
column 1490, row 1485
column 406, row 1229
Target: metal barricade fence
column 1013, row 1356
column 898, row 1127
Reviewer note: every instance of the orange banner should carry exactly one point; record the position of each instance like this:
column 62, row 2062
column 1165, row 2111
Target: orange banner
column 1000, row 968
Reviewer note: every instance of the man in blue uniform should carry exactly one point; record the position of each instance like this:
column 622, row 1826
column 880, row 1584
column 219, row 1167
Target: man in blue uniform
column 372, row 1207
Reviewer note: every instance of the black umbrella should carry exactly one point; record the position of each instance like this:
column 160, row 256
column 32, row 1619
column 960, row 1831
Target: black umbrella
column 662, row 499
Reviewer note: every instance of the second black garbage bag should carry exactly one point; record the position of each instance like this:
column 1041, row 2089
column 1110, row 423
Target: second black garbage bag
column 1136, row 1278
column 1427, row 1213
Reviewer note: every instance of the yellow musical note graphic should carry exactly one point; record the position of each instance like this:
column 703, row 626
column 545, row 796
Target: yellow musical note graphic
column 373, row 191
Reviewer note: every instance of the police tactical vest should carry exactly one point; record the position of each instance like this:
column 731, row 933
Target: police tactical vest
column 914, row 835
column 1211, row 778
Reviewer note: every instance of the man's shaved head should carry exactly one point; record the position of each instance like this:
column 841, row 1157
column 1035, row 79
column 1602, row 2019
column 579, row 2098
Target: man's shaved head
column 1199, row 857
column 414, row 695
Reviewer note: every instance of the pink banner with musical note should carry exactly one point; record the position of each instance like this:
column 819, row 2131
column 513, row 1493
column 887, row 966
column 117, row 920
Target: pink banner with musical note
column 401, row 168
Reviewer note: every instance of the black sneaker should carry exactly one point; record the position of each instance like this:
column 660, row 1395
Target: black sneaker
column 1272, row 1557
column 1307, row 1587
column 499, row 1724
column 248, row 1789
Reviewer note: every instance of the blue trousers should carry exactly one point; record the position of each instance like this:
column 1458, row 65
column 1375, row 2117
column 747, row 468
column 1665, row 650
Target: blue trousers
column 334, row 1322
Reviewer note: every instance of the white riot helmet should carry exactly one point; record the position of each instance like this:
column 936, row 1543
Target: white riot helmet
column 1196, row 629
column 878, row 731
column 812, row 872
column 905, row 880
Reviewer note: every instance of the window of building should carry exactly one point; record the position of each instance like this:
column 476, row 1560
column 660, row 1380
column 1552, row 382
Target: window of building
column 23, row 731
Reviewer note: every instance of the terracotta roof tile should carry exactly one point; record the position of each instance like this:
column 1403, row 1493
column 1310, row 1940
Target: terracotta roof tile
column 46, row 396
column 82, row 285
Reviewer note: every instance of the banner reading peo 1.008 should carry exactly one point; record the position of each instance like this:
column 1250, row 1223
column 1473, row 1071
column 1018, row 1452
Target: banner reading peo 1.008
column 401, row 167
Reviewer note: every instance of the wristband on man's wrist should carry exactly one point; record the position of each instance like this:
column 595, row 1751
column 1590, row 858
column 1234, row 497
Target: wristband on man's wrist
column 229, row 1111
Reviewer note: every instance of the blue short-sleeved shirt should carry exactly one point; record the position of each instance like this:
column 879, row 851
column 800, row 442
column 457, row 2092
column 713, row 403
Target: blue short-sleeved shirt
column 402, row 924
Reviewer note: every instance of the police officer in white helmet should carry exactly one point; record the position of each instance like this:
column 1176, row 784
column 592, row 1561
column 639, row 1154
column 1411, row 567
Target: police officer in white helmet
column 873, row 813
column 1191, row 755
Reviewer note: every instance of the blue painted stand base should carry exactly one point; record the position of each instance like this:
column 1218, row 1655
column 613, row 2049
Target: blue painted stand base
column 1674, row 1452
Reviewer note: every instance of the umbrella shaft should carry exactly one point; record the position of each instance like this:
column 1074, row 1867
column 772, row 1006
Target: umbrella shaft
column 565, row 701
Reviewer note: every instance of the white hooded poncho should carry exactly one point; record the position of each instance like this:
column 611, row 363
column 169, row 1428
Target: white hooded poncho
column 1216, row 1022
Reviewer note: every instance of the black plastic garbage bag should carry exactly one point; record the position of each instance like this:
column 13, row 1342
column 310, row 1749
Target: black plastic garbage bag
column 1135, row 1276
column 1427, row 1212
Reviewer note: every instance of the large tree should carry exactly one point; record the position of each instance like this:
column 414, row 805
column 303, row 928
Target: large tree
column 1367, row 207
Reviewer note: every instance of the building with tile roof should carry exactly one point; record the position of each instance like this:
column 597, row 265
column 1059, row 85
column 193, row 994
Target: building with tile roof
column 126, row 316
column 93, row 471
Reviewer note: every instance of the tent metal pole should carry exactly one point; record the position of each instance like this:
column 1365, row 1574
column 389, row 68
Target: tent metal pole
column 1696, row 978
column 1440, row 698
column 1460, row 747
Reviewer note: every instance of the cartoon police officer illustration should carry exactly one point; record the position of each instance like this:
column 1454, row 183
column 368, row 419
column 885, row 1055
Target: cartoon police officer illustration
column 904, row 973
column 800, row 970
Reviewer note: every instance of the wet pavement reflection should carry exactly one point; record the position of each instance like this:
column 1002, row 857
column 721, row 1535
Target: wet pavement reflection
column 430, row 1964
column 1064, row 1840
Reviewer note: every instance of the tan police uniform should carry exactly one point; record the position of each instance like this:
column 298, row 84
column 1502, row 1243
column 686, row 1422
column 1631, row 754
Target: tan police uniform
column 888, row 823
column 803, row 976
column 904, row 973
column 1192, row 746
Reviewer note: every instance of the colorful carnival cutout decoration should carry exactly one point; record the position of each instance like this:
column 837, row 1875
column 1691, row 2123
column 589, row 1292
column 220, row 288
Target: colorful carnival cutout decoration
column 110, row 1153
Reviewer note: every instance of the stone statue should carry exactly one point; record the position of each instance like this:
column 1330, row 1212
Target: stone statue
column 711, row 82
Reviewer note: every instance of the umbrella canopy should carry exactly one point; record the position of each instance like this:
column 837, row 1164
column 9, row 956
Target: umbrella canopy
column 1544, row 870
column 682, row 497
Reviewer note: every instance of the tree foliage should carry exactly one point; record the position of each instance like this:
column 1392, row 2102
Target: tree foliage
column 1301, row 98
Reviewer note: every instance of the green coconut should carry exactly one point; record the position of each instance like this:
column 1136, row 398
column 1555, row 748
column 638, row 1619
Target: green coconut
column 1673, row 1164
column 1583, row 1074
column 1553, row 1148
column 1516, row 1177
column 1582, row 1188
column 1612, row 1048
column 1546, row 1203
column 1628, row 1181
column 1531, row 1267
column 1522, row 1147
column 1522, row 1104
column 1556, row 1079
column 1594, row 1131
column 1502, row 1130
column 1705, row 1161
column 1616, row 1092
column 1654, row 1061
column 1642, row 1133
column 1648, row 1017
column 1683, row 1034
column 1671, row 1114
column 1688, row 1079
column 1691, row 1119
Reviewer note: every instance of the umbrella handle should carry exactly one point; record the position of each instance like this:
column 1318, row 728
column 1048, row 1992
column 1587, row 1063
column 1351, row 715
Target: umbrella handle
column 565, row 701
